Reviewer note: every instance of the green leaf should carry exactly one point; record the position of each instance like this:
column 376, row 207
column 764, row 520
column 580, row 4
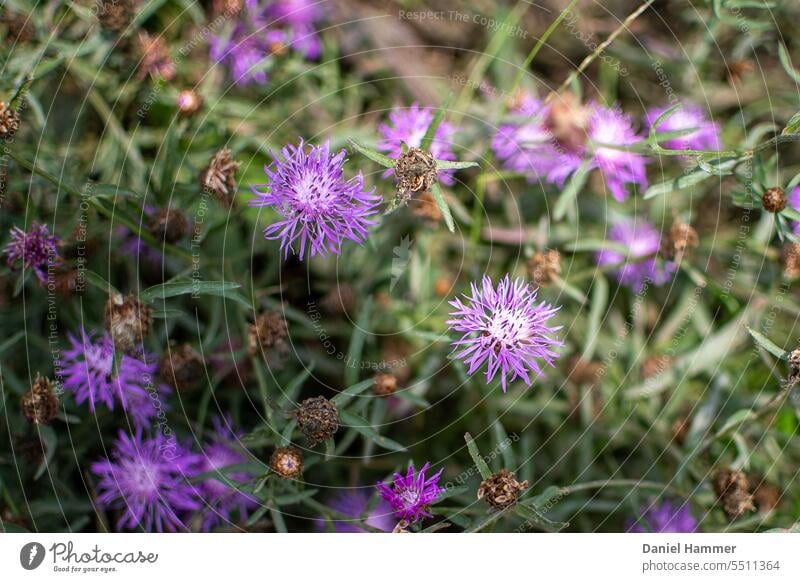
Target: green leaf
column 765, row 343
column 430, row 133
column 436, row 190
column 793, row 125
column 445, row 165
column 376, row 157
column 97, row 281
column 50, row 444
column 570, row 191
column 361, row 426
column 174, row 288
column 480, row 463
column 786, row 61
column 723, row 167
column 354, row 390
column 734, row 420
column 356, row 348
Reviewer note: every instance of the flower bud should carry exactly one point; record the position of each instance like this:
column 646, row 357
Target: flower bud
column 189, row 102
column 168, row 225
column 385, row 385
column 317, row 419
column 774, row 200
column 287, row 462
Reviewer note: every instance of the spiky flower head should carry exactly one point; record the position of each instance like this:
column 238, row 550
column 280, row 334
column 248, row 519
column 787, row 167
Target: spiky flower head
column 411, row 495
column 147, row 479
column 88, row 372
column 36, row 250
column 319, row 208
column 40, row 403
column 706, row 134
column 639, row 267
column 408, row 125
column 219, row 494
column 358, row 506
column 504, row 328
column 664, row 518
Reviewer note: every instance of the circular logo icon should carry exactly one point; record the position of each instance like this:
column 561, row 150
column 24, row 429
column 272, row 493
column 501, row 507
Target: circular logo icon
column 31, row 555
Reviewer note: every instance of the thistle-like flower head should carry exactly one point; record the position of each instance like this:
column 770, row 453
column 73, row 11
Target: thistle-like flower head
column 412, row 494
column 640, row 266
column 664, row 518
column 35, row 249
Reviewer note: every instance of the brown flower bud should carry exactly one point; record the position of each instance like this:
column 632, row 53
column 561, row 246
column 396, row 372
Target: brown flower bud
column 40, row 403
column 774, row 200
column 733, row 491
column 115, row 15
column 790, row 257
column 287, row 462
column 385, row 385
column 425, row 207
column 219, row 177
column 189, row 102
column 169, row 225
column 544, row 267
column 128, row 320
column 681, row 240
column 9, row 121
column 501, row 490
column 268, row 333
column 318, row 419
column 182, row 367
column 416, row 172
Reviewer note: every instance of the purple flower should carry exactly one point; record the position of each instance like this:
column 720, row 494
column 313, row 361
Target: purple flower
column 664, row 518
column 794, row 203
column 319, row 208
column 411, row 495
column 221, row 499
column 619, row 168
column 505, row 328
column 408, row 125
column 262, row 30
column 88, row 371
column 639, row 266
column 354, row 503
column 35, row 249
column 147, row 480
column 688, row 116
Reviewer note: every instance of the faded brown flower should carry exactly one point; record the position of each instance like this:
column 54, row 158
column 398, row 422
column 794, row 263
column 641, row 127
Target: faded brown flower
column 318, row 419
column 544, row 267
column 128, row 320
column 416, row 172
column 287, row 462
column 501, row 490
column 733, row 492
column 40, row 403
column 182, row 367
column 219, row 177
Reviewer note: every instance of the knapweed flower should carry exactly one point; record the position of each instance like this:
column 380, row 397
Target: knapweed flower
column 794, row 203
column 664, row 518
column 35, row 249
column 639, row 267
column 355, row 504
column 410, row 496
column 319, row 208
column 147, row 479
column 262, row 30
column 223, row 499
column 408, row 125
column 88, row 372
column 688, row 116
column 505, row 328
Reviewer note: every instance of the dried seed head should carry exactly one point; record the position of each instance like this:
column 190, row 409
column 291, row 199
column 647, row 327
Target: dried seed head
column 501, row 490
column 544, row 267
column 794, row 367
column 219, row 177
column 766, row 495
column 128, row 320
column 341, row 299
column 182, row 367
column 268, row 333
column 774, row 200
column 287, row 462
column 568, row 120
column 790, row 256
column 425, row 207
column 168, row 225
column 733, row 491
column 40, row 403
column 416, row 172
column 582, row 372
column 115, row 15
column 317, row 419
column 154, row 57
column 189, row 102
column 655, row 365
column 385, row 385
column 9, row 121
column 681, row 240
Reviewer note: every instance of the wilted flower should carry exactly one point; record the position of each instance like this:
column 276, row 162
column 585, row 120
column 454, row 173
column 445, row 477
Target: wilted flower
column 408, row 125
column 88, row 371
column 733, row 492
column 9, row 121
column 318, row 419
column 354, row 503
column 128, row 320
column 501, row 490
column 664, row 518
column 146, row 479
column 115, row 15
column 319, row 208
column 639, row 266
column 221, row 498
column 504, row 328
column 219, row 176
column 268, row 334
column 40, row 403
column 155, row 58
column 36, row 249
column 410, row 496
column 385, row 385
column 544, row 267
column 169, row 225
column 688, row 116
